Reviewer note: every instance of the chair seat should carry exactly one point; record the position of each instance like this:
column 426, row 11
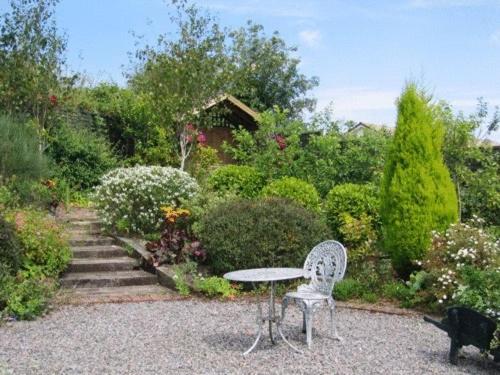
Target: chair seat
column 307, row 295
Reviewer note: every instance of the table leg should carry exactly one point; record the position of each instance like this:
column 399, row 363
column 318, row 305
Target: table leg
column 272, row 311
column 260, row 324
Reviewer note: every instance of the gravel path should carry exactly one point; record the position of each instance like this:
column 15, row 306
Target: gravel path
column 198, row 337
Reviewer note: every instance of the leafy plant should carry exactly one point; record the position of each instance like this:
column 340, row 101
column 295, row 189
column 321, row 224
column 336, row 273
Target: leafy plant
column 215, row 286
column 261, row 233
column 418, row 195
column 28, row 297
column 294, row 189
column 10, row 250
column 355, row 200
column 242, row 180
column 348, row 288
column 182, row 272
column 133, row 196
column 176, row 244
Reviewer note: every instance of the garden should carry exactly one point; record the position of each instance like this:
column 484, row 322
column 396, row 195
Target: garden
column 417, row 207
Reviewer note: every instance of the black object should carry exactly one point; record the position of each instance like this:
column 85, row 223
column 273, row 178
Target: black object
column 467, row 327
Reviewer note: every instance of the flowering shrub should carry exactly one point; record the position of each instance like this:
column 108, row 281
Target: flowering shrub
column 129, row 199
column 176, row 244
column 459, row 256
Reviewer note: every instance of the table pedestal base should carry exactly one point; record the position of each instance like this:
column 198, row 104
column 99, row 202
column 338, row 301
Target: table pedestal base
column 272, row 318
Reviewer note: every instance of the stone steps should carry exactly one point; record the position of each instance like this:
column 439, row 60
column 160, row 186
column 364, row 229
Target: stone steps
column 98, row 251
column 102, row 271
column 107, row 279
column 102, row 264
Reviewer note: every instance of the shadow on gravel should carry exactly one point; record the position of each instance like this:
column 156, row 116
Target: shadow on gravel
column 471, row 360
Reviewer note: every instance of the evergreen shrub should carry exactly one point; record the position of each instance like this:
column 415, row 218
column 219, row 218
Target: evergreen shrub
column 299, row 191
column 259, row 233
column 354, row 200
column 418, row 195
column 242, row 180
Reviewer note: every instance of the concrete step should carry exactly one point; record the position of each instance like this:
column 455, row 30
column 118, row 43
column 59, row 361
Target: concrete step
column 91, row 226
column 88, row 240
column 106, row 251
column 98, row 265
column 133, row 293
column 107, row 279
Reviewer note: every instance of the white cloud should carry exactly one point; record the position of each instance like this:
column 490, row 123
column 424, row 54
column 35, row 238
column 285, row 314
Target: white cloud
column 310, row 38
column 495, row 38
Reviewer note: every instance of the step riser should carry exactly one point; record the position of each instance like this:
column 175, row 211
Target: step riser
column 84, row 283
column 101, row 267
column 92, row 242
column 74, row 227
column 83, row 232
column 104, row 254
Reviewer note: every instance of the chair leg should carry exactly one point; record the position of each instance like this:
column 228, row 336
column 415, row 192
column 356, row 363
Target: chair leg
column 333, row 327
column 308, row 320
column 303, row 322
column 284, row 305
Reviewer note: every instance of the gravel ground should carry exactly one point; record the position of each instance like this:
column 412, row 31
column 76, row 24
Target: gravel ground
column 198, row 337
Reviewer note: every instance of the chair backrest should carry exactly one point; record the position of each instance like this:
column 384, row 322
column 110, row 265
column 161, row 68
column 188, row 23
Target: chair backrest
column 325, row 265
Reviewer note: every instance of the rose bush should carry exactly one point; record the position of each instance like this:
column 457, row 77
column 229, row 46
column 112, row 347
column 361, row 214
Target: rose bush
column 130, row 199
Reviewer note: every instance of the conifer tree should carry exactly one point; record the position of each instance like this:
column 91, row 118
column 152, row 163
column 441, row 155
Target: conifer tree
column 418, row 195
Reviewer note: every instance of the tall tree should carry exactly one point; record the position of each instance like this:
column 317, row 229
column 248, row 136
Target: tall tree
column 31, row 61
column 180, row 75
column 265, row 73
column 418, row 195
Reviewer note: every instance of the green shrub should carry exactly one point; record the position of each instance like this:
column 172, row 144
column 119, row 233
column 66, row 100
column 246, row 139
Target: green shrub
column 43, row 245
column 20, row 151
column 81, row 156
column 28, row 298
column 241, row 180
column 418, row 195
column 10, row 251
column 215, row 286
column 294, row 189
column 260, row 233
column 351, row 199
column 131, row 198
column 347, row 289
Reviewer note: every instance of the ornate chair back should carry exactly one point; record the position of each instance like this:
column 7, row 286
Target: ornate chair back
column 325, row 265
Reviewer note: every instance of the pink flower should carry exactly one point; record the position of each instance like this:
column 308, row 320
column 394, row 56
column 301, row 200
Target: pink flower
column 190, row 127
column 281, row 141
column 201, row 138
column 53, row 100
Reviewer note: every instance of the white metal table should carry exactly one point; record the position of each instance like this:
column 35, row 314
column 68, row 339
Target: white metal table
column 270, row 275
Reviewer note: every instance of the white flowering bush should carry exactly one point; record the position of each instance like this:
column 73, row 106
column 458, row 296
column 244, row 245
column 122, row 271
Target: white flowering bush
column 464, row 249
column 130, row 199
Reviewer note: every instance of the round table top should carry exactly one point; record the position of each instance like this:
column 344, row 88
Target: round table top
column 265, row 274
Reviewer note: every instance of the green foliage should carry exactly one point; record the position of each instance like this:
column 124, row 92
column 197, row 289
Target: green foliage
column 259, row 233
column 215, row 286
column 296, row 190
column 20, row 151
column 242, row 180
column 204, row 160
column 130, row 199
column 180, row 75
column 472, row 162
column 418, row 195
column 81, row 157
column 182, row 272
column 265, row 72
column 10, row 251
column 43, row 244
column 28, row 297
column 272, row 148
column 31, row 62
column 347, row 289
column 351, row 199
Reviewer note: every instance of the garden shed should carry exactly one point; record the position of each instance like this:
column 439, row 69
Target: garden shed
column 222, row 115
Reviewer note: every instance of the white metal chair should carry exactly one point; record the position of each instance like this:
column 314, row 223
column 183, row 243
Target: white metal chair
column 324, row 266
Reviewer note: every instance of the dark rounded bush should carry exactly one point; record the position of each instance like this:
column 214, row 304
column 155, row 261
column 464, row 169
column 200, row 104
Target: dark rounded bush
column 259, row 233
column 10, row 250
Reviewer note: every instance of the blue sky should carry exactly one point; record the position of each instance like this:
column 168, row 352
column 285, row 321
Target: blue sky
column 362, row 51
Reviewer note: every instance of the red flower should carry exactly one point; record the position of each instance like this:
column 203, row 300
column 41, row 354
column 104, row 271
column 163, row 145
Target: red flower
column 53, row 100
column 190, row 127
column 201, row 138
column 281, row 141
